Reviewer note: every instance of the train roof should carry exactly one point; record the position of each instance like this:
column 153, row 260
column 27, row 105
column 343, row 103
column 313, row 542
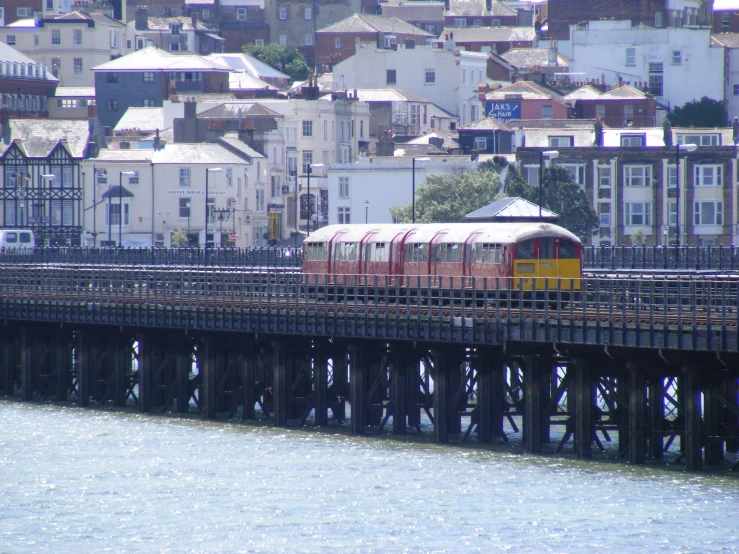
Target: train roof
column 504, row 232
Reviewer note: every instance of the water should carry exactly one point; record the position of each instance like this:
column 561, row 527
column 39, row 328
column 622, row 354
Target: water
column 74, row 480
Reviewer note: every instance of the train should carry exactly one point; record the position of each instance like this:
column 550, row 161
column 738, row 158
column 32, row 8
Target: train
column 521, row 256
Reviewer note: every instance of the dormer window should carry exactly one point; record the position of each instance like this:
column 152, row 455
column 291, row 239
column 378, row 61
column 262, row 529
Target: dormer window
column 175, row 28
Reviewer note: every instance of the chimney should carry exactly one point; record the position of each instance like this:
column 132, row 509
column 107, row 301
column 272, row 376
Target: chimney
column 489, row 5
column 4, row 118
column 446, row 5
column 190, row 108
column 194, row 19
column 156, row 140
column 552, row 54
column 141, row 18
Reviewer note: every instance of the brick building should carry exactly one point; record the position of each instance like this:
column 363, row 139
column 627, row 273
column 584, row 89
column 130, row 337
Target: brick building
column 489, row 39
column 725, row 16
column 13, row 10
column 618, row 107
column 524, row 100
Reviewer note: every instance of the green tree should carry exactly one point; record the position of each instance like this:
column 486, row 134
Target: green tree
column 705, row 112
column 561, row 195
column 179, row 238
column 639, row 237
column 448, row 198
column 284, row 58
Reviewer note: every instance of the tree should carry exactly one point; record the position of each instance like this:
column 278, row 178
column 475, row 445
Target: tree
column 284, row 58
column 179, row 238
column 639, row 237
column 448, row 198
column 561, row 195
column 705, row 112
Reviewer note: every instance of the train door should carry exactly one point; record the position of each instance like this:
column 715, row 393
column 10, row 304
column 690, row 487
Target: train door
column 333, row 252
column 435, row 258
column 365, row 256
column 469, row 257
column 546, row 269
column 568, row 262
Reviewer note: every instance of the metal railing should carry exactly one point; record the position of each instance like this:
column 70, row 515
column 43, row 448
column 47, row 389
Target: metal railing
column 689, row 258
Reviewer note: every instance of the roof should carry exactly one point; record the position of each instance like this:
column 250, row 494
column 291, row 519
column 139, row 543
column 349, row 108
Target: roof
column 529, row 57
column 488, row 123
column 730, row 40
column 156, row 24
column 549, row 124
column 75, row 92
column 490, row 34
column 198, row 2
column 117, row 155
column 249, row 64
column 23, row 23
column 39, row 137
column 364, row 23
column 478, row 7
column 385, row 95
column 97, row 18
column 414, row 11
column 233, row 141
column 152, row 58
column 589, row 92
column 725, row 5
column 10, row 54
column 117, row 191
column 450, row 139
column 528, row 90
column 513, row 207
column 581, row 137
column 244, row 81
column 205, row 153
column 238, row 109
column 143, row 119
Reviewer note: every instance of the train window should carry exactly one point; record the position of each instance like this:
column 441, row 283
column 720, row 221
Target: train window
column 379, row 252
column 316, row 251
column 526, row 250
column 416, row 252
column 346, row 252
column 546, row 248
column 487, row 253
column 567, row 250
column 449, row 253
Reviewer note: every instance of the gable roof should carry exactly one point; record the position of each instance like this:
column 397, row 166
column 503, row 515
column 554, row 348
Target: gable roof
column 153, row 59
column 478, row 7
column 487, row 123
column 490, row 34
column 244, row 81
column 364, row 23
column 10, row 54
column 157, row 24
column 528, row 91
column 248, row 64
column 117, row 191
column 528, row 57
column 229, row 110
column 142, row 119
column 511, row 208
column 39, row 137
column 589, row 92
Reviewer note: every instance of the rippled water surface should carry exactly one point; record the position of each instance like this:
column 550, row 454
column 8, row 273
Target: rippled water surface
column 75, row 480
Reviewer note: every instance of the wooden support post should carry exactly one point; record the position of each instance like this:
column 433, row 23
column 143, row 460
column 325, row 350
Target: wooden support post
column 373, row 374
column 281, row 354
column 121, row 375
column 357, row 392
column 441, row 396
column 320, row 385
column 731, row 393
column 7, row 371
column 713, row 430
column 399, row 388
column 534, row 412
column 26, row 352
column 656, row 416
column 83, row 367
column 248, row 360
column 339, row 384
column 583, row 404
column 637, row 409
column 623, row 387
column 147, row 360
column 210, row 379
column 490, row 394
column 690, row 383
column 182, row 365
column 413, row 387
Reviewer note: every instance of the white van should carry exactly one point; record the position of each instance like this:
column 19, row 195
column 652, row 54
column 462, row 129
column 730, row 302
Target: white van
column 14, row 240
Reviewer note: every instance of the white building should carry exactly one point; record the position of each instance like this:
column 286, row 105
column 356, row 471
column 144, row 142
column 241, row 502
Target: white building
column 367, row 189
column 447, row 79
column 677, row 64
column 167, row 194
column 69, row 45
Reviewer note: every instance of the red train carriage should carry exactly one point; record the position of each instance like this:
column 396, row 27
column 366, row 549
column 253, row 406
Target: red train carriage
column 519, row 255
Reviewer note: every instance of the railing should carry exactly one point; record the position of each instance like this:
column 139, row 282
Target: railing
column 689, row 314
column 695, row 258
column 268, row 256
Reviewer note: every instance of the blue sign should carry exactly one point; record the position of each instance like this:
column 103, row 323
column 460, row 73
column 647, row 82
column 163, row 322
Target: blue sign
column 503, row 111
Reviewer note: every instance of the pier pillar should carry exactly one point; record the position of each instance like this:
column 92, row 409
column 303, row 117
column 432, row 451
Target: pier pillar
column 83, row 366
column 621, row 414
column 536, row 377
column 339, row 382
column 183, row 364
column 399, row 388
column 282, row 377
column 63, row 364
column 416, row 397
column 442, row 403
column 713, row 410
column 146, row 369
column 357, row 393
column 26, row 356
column 320, row 384
column 656, row 416
column 691, row 388
column 247, row 361
column 731, row 393
column 7, row 343
column 584, row 402
column 117, row 357
column 490, row 394
column 637, row 410
column 207, row 362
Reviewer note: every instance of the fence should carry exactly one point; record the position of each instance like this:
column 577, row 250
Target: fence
column 694, row 258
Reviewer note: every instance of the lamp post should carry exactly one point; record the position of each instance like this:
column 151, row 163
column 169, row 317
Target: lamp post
column 128, row 174
column 207, row 214
column 311, row 167
column 187, row 203
column 366, row 211
column 413, row 184
column 678, row 149
column 549, row 154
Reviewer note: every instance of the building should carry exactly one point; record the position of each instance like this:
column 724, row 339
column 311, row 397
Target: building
column 482, row 13
column 147, row 77
column 730, row 44
column 338, row 42
column 14, row 10
column 25, row 85
column 524, row 100
column 69, row 45
column 140, row 198
column 249, row 65
column 618, row 107
column 41, row 181
column 725, row 16
column 175, row 34
column 243, row 22
column 428, row 16
column 511, row 209
column 486, row 136
column 488, row 39
column 528, row 64
column 70, row 102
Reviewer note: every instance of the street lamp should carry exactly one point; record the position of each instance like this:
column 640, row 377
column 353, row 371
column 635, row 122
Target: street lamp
column 128, row 174
column 311, row 167
column 679, row 148
column 208, row 170
column 413, row 182
column 187, row 204
column 366, row 211
column 549, row 154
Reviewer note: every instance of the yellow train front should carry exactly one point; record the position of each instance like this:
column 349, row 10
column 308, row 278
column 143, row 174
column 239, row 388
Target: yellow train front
column 513, row 256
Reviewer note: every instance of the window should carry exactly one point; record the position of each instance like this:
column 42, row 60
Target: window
column 114, row 37
column 481, row 144
column 736, row 90
column 532, row 174
column 260, row 200
column 391, row 77
column 229, row 177
column 49, row 4
column 707, row 213
column 241, row 14
column 206, row 14
column 656, row 78
column 638, row 175
column 23, row 12
column 658, row 19
column 102, row 177
column 725, row 19
column 628, row 113
column 546, row 111
column 77, row 37
column 77, row 67
column 184, row 207
column 134, row 179
column 604, row 213
column 308, row 13
column 707, row 175
column 343, row 187
column 430, row 76
column 577, row 172
column 174, row 47
column 460, row 22
column 307, row 128
column 604, row 177
column 560, row 141
column 677, row 57
column 112, row 105
column 259, row 42
column 361, row 129
column 283, row 14
column 10, row 40
column 632, row 140
column 672, row 212
column 283, row 40
column 473, row 113
column 711, row 139
column 464, row 76
column 56, row 37
column 600, row 111
column 184, row 176
column 36, row 40
column 111, row 77
column 148, row 77
column 114, row 214
column 344, row 215
column 307, row 160
column 275, row 184
column 337, row 43
column 638, row 213
column 631, row 57
column 671, row 176
column 308, row 40
column 149, row 103
column 478, row 23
